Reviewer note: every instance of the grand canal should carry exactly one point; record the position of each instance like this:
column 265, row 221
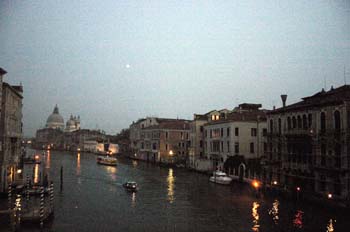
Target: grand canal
column 93, row 199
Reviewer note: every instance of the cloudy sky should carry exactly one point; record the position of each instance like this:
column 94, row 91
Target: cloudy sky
column 112, row 62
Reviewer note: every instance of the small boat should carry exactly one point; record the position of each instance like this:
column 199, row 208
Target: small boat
column 32, row 160
column 220, row 177
column 106, row 160
column 131, row 186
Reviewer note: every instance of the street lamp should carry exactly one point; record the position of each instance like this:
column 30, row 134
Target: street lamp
column 330, row 196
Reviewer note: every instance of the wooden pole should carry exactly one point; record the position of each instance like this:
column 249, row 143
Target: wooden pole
column 61, row 179
column 42, row 201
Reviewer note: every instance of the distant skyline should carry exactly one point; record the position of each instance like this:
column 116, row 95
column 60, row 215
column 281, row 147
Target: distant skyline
column 113, row 62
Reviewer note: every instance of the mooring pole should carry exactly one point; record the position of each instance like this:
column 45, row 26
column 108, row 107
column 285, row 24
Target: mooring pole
column 51, row 196
column 27, row 189
column 10, row 196
column 42, row 201
column 61, row 179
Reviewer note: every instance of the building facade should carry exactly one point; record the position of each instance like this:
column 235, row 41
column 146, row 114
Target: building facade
column 309, row 144
column 160, row 140
column 236, row 139
column 10, row 132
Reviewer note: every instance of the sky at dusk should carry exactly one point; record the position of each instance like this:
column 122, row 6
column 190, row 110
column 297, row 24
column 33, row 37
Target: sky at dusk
column 113, row 62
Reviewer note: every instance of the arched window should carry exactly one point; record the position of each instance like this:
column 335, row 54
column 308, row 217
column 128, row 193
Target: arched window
column 271, row 126
column 289, row 126
column 279, row 126
column 294, row 123
column 299, row 122
column 309, row 119
column 337, row 120
column 304, row 122
column 323, row 122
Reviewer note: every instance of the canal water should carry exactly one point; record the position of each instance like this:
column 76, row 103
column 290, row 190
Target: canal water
column 169, row 199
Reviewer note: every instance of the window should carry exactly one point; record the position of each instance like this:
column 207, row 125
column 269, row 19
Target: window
column 201, row 128
column 289, row 126
column 253, row 132
column 323, row 122
column 222, row 146
column 294, row 122
column 166, row 135
column 279, row 126
column 222, row 132
column 228, row 146
column 182, row 135
column 265, row 147
column 271, row 126
column 252, row 148
column 264, row 132
column 166, row 147
column 215, row 146
column 201, row 143
column 304, row 122
column 310, row 120
column 337, row 120
column 299, row 122
column 142, row 145
column 228, row 132
column 236, row 148
column 236, row 131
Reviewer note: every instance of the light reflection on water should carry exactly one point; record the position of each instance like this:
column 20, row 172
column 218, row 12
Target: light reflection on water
column 133, row 199
column 170, row 181
column 36, row 173
column 255, row 215
column 48, row 159
column 274, row 211
column 298, row 219
column 112, row 171
column 330, row 227
column 78, row 164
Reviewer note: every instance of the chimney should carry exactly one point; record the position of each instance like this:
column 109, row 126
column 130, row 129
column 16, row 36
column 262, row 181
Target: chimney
column 284, row 98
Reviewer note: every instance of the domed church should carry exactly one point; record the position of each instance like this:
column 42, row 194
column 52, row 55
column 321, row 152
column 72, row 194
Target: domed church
column 55, row 120
column 73, row 124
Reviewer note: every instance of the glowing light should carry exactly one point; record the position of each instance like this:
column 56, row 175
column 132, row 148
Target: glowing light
column 274, row 211
column 78, row 164
column 255, row 215
column 298, row 189
column 298, row 219
column 330, row 196
column 36, row 174
column 170, row 180
column 255, row 184
column 171, row 152
column 37, row 157
column 19, row 171
column 78, row 149
column 275, row 182
column 133, row 199
column 330, row 227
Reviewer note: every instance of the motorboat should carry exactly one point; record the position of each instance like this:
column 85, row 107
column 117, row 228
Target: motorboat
column 107, row 160
column 130, row 185
column 32, row 160
column 220, row 177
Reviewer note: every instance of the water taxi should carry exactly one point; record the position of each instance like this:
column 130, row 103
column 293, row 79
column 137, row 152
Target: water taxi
column 106, row 160
column 131, row 186
column 220, row 177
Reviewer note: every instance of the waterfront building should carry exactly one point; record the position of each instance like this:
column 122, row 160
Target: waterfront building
column 10, row 131
column 309, row 144
column 234, row 141
column 197, row 159
column 160, row 140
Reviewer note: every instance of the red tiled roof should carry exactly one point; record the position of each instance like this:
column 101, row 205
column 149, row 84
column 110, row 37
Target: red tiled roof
column 173, row 124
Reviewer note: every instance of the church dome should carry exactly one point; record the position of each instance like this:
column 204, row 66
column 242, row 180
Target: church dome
column 55, row 120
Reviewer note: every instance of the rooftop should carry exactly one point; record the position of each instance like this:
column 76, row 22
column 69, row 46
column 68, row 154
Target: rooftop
column 323, row 98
